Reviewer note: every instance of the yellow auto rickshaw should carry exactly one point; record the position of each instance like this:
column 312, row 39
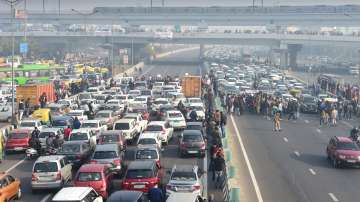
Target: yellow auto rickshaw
column 43, row 114
column 295, row 92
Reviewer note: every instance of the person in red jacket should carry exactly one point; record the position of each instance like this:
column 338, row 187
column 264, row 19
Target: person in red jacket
column 67, row 132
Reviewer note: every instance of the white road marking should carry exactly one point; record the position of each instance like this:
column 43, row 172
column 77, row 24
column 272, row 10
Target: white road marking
column 312, row 171
column 286, row 140
column 306, row 121
column 297, row 153
column 347, row 124
column 14, row 166
column 333, row 197
column 247, row 161
column 45, row 198
column 318, row 130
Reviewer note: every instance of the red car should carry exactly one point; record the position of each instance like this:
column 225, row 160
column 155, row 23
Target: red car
column 141, row 176
column 113, row 137
column 343, row 151
column 18, row 140
column 97, row 176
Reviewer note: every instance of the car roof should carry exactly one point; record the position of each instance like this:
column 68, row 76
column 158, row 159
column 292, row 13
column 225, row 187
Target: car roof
column 20, row 131
column 92, row 167
column 72, row 193
column 125, row 195
column 49, row 158
column 146, row 147
column 91, row 121
column 185, row 168
column 194, row 123
column 111, row 132
column 192, row 132
column 148, row 135
column 50, row 129
column 77, row 142
column 141, row 165
column 106, row 147
column 124, row 121
column 81, row 130
column 63, row 117
column 157, row 123
column 343, row 139
column 173, row 111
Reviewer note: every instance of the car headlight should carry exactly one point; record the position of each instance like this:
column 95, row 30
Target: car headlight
column 342, row 156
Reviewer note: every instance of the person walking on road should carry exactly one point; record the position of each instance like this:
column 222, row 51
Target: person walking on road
column 223, row 120
column 156, row 194
column 43, row 100
column 27, row 107
column 277, row 120
column 219, row 166
column 21, row 108
column 334, row 114
column 76, row 123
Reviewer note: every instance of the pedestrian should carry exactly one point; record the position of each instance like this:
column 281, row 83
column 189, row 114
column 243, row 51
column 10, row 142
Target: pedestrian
column 277, row 120
column 219, row 166
column 2, row 144
column 217, row 117
column 76, row 123
column 27, row 107
column 43, row 100
column 334, row 114
column 67, row 132
column 223, row 120
column 21, row 109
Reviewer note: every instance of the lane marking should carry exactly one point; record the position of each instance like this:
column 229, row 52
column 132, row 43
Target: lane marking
column 306, row 121
column 286, row 140
column 45, row 198
column 247, row 161
column 297, row 153
column 318, row 130
column 347, row 124
column 14, row 166
column 312, row 171
column 333, row 197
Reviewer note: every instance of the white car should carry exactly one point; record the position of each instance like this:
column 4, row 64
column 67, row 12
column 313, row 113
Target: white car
column 139, row 102
column 85, row 135
column 200, row 111
column 175, row 119
column 193, row 100
column 140, row 122
column 68, row 102
column 149, row 139
column 128, row 128
column 30, row 124
column 124, row 99
column 134, row 93
column 95, row 126
column 163, row 128
column 77, row 194
column 185, row 178
column 80, row 114
column 158, row 102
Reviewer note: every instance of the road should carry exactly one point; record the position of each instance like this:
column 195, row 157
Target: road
column 312, row 77
column 20, row 168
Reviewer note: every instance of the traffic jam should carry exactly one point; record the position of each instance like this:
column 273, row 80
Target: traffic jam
column 107, row 140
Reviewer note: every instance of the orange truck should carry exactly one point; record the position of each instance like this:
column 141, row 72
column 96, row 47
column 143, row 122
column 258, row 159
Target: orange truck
column 191, row 86
column 34, row 91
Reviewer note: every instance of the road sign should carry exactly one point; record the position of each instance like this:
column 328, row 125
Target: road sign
column 23, row 47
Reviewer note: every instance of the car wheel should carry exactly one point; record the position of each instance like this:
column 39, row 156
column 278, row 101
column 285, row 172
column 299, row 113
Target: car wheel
column 18, row 195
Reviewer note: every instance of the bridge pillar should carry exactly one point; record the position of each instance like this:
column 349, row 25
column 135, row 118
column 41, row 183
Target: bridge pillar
column 202, row 51
column 284, row 59
column 293, row 50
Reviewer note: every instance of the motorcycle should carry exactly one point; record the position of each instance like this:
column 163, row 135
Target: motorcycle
column 31, row 153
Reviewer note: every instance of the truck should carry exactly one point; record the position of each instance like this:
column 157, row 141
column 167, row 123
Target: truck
column 34, row 91
column 191, row 86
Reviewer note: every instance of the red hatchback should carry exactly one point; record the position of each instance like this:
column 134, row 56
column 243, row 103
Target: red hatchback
column 97, row 176
column 343, row 151
column 141, row 176
column 18, row 140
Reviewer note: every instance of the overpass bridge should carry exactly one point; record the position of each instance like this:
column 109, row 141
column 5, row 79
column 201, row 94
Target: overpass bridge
column 347, row 15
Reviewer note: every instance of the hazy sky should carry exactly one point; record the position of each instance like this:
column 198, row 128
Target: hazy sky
column 52, row 5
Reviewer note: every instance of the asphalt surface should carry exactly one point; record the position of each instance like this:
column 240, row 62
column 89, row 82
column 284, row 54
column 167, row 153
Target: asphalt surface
column 16, row 164
column 312, row 77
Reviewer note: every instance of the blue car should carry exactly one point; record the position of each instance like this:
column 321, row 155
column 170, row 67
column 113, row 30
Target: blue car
column 62, row 121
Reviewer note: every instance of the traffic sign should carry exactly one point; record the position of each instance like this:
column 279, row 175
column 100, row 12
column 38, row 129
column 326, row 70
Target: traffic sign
column 23, row 47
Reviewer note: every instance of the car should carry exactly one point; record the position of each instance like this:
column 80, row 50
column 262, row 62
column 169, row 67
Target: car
column 68, row 102
column 175, row 119
column 109, row 154
column 192, row 142
column 18, row 140
column 124, row 99
column 5, row 113
column 30, row 124
column 106, row 117
column 151, row 139
column 134, row 93
column 77, row 194
column 140, row 122
column 128, row 128
column 62, row 121
column 50, row 172
column 10, row 187
column 141, row 176
column 192, row 100
column 163, row 128
column 158, row 102
column 139, row 101
column 185, row 178
column 95, row 126
column 128, row 196
column 76, row 152
column 308, row 104
column 200, row 111
column 195, row 126
column 342, row 151
column 80, row 114
column 148, row 153
column 113, row 137
column 46, row 132
column 97, row 176
column 84, row 135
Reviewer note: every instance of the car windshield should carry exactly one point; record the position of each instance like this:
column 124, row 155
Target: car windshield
column 147, row 141
column 154, row 128
column 193, row 127
column 146, row 92
column 139, row 174
column 163, row 102
column 140, row 99
column 27, row 124
column 309, row 100
column 183, row 176
column 84, row 96
column 46, row 134
column 347, row 146
column 44, row 167
column 18, row 135
column 70, row 148
column 75, row 114
column 175, row 115
column 59, row 123
column 146, row 154
column 89, row 125
column 89, row 176
column 78, row 136
column 192, row 138
column 195, row 101
column 102, row 115
column 121, row 126
column 197, row 108
column 105, row 155
column 109, row 138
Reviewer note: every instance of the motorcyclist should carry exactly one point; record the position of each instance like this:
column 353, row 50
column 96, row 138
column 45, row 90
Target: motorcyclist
column 57, row 142
column 354, row 134
column 50, row 141
column 35, row 142
column 35, row 133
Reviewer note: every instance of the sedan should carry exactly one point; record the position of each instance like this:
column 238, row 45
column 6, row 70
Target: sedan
column 192, row 143
column 77, row 152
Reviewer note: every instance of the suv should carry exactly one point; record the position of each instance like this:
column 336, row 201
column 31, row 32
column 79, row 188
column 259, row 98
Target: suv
column 50, row 172
column 141, row 176
column 163, row 128
column 140, row 122
column 343, row 151
column 77, row 194
column 184, row 178
column 128, row 127
column 192, row 142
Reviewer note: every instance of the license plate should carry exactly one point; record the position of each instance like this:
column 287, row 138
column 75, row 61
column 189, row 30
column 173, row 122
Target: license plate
column 192, row 152
column 351, row 161
column 18, row 148
column 28, row 155
column 139, row 186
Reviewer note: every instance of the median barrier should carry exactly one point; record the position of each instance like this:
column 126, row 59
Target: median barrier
column 234, row 195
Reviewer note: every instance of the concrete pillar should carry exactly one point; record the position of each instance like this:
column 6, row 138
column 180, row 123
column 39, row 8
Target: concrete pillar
column 202, row 51
column 293, row 50
column 283, row 59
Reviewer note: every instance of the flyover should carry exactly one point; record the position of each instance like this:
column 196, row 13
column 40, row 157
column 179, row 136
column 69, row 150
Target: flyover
column 348, row 15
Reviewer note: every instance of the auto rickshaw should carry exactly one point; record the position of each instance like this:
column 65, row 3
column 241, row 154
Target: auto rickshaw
column 295, row 92
column 43, row 114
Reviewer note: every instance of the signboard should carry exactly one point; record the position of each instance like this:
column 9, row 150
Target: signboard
column 125, row 59
column 23, row 47
column 20, row 14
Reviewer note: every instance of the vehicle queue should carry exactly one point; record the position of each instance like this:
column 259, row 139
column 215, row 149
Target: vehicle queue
column 81, row 141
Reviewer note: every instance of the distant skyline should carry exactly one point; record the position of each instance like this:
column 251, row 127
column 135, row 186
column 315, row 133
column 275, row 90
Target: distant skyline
column 87, row 5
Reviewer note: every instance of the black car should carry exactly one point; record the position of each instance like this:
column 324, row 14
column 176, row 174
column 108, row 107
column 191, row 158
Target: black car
column 127, row 196
column 77, row 152
column 308, row 104
column 195, row 126
column 192, row 142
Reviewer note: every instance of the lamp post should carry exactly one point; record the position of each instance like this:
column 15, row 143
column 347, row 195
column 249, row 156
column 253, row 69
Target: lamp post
column 12, row 4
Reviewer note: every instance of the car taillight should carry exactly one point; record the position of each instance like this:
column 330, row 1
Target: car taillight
column 202, row 146
column 33, row 177
column 196, row 187
column 93, row 161
column 58, row 176
column 117, row 161
column 183, row 144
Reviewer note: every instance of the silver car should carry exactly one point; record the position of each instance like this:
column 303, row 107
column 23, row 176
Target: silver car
column 108, row 154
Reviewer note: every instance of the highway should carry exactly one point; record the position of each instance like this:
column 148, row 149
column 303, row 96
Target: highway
column 17, row 166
